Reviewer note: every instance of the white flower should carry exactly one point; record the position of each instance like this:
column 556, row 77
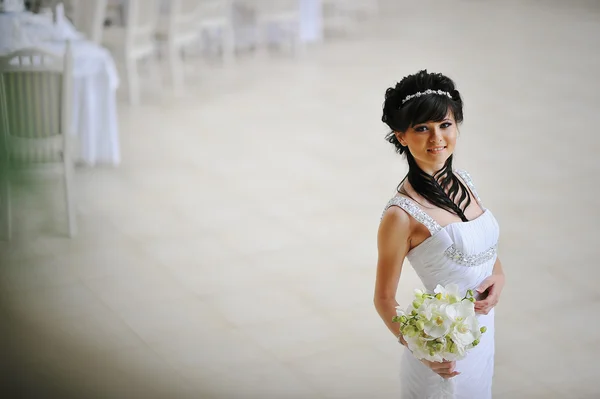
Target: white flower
column 455, row 351
column 426, row 310
column 439, row 323
column 451, row 292
column 465, row 327
column 460, row 310
column 464, row 331
column 440, row 327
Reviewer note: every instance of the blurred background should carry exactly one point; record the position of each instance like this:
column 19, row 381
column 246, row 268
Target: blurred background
column 211, row 229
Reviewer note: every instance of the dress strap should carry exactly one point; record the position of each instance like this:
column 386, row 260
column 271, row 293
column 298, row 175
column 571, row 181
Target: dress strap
column 415, row 211
column 469, row 182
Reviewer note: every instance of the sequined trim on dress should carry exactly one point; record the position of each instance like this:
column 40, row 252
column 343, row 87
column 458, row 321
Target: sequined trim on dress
column 467, row 179
column 416, row 212
column 452, row 252
column 470, row 260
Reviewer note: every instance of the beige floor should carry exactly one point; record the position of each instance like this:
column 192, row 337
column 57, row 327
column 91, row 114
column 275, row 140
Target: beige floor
column 232, row 254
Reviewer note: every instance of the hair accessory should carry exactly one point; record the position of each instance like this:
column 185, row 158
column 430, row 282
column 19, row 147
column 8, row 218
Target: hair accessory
column 428, row 91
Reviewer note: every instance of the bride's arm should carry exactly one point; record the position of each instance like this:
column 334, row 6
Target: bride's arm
column 393, row 243
column 494, row 286
column 498, row 270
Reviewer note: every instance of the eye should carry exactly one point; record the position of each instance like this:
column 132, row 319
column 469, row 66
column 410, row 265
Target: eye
column 446, row 125
column 420, row 128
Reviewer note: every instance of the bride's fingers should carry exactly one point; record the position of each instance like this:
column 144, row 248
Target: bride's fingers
column 482, row 311
column 489, row 302
column 449, row 375
column 481, row 304
column 442, row 365
column 446, row 367
column 485, row 308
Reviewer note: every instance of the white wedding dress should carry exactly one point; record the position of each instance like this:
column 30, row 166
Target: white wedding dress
column 462, row 253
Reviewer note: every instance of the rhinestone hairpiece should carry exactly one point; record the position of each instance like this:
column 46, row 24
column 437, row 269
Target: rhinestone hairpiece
column 428, row 91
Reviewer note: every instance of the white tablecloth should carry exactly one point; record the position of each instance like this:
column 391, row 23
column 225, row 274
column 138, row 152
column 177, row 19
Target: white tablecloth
column 95, row 81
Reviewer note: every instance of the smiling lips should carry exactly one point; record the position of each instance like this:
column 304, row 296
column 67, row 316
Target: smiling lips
column 436, row 150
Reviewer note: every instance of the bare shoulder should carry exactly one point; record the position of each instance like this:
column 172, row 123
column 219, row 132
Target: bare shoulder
column 395, row 227
column 394, row 217
column 393, row 244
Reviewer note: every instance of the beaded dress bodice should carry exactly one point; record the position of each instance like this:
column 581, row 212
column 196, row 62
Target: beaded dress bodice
column 463, row 253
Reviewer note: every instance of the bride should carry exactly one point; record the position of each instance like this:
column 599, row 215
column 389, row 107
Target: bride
column 438, row 222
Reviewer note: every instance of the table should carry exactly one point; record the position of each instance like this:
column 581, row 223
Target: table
column 95, row 81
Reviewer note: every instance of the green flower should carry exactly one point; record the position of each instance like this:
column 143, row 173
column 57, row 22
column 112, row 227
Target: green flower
column 412, row 332
column 417, row 303
column 453, row 348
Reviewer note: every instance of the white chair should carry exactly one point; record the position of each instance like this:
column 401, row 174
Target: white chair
column 274, row 17
column 344, row 15
column 88, row 17
column 35, row 100
column 337, row 16
column 217, row 15
column 135, row 41
column 177, row 30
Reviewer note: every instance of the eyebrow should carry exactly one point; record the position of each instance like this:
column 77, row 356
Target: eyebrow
column 425, row 123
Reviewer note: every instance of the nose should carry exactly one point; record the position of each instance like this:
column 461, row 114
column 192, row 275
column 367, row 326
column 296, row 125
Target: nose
column 436, row 135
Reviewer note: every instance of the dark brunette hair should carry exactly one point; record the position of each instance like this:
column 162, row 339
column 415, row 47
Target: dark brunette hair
column 443, row 189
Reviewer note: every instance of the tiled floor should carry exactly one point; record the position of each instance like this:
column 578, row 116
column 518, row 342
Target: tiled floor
column 232, row 254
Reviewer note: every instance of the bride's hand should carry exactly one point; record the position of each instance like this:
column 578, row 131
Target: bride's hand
column 402, row 340
column 443, row 369
column 493, row 285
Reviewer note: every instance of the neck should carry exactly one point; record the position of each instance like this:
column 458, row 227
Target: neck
column 439, row 187
column 431, row 169
column 434, row 169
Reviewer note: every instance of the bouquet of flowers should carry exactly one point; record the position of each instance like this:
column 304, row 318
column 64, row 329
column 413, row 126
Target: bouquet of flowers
column 441, row 326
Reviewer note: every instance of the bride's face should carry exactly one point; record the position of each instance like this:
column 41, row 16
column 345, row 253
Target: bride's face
column 431, row 143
